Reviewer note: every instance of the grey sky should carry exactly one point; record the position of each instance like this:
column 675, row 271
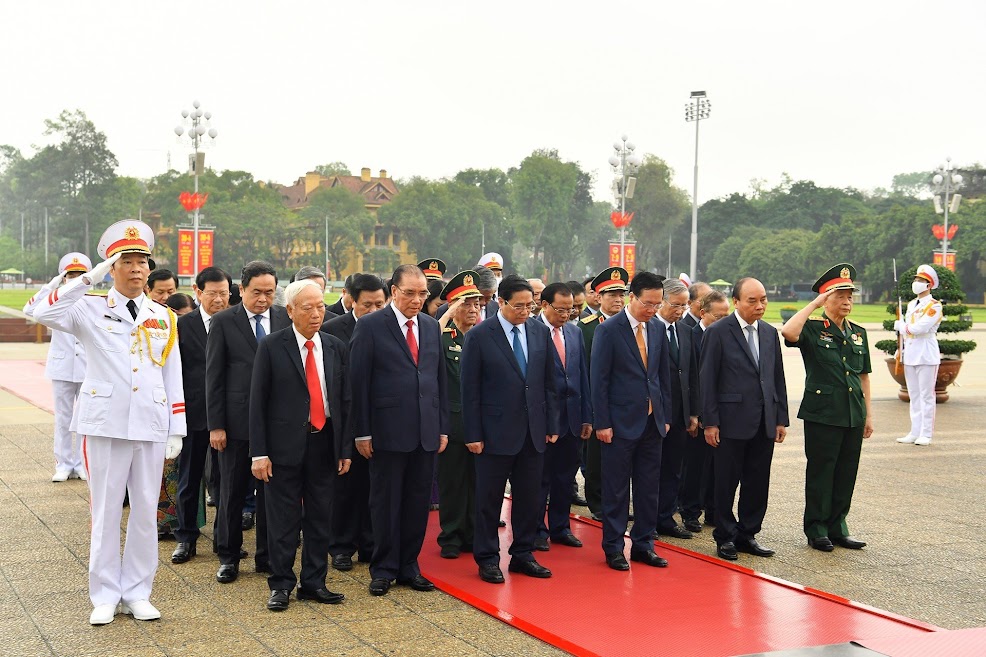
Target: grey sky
column 843, row 93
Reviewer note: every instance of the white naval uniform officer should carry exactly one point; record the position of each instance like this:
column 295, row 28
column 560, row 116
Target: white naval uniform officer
column 920, row 354
column 65, row 368
column 131, row 410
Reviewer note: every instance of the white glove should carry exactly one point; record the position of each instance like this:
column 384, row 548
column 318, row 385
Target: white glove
column 900, row 326
column 55, row 282
column 98, row 273
column 173, row 448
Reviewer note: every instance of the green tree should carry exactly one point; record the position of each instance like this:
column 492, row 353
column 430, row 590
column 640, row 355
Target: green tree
column 725, row 262
column 659, row 208
column 778, row 258
column 345, row 215
column 333, row 169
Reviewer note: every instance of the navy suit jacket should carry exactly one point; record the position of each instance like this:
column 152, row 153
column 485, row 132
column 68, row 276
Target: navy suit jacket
column 687, row 371
column 572, row 382
column 500, row 408
column 279, row 399
column 398, row 404
column 735, row 394
column 621, row 387
column 341, row 326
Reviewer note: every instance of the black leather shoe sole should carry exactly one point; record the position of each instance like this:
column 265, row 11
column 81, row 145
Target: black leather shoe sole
column 379, row 586
column 727, row 551
column 323, row 596
column 342, row 562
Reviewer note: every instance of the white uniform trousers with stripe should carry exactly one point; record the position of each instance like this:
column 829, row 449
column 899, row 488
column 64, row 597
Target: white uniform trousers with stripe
column 115, row 466
column 921, row 389
column 68, row 456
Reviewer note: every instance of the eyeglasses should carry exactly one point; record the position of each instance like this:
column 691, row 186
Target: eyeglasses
column 565, row 311
column 519, row 308
column 212, row 294
column 677, row 306
column 650, row 306
column 410, row 294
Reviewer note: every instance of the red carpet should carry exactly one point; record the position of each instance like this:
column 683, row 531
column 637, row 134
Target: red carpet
column 26, row 379
column 698, row 606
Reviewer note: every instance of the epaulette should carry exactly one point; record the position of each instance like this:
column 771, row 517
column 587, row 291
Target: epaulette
column 817, row 319
column 448, row 329
column 591, row 318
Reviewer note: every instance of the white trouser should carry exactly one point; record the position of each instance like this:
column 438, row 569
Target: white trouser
column 115, row 466
column 921, row 389
column 68, row 457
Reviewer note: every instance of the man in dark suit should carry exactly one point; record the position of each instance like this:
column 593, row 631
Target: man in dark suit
column 693, row 315
column 510, row 412
column 351, row 527
column 571, row 374
column 698, row 476
column 345, row 302
column 300, row 431
column 684, row 404
column 631, row 403
column 400, row 403
column 744, row 410
column 211, row 287
column 229, row 354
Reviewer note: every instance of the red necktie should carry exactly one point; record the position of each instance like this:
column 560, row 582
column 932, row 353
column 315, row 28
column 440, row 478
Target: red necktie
column 412, row 344
column 316, row 408
column 556, row 337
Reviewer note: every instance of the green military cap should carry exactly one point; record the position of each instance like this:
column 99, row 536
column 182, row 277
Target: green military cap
column 462, row 285
column 839, row 277
column 614, row 279
column 433, row 268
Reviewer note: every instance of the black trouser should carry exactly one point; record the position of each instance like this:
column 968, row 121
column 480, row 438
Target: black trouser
column 236, row 476
column 593, row 475
column 524, row 470
column 561, row 462
column 299, row 498
column 697, row 489
column 637, row 461
column 351, row 526
column 671, row 456
column 743, row 463
column 400, row 487
column 191, row 463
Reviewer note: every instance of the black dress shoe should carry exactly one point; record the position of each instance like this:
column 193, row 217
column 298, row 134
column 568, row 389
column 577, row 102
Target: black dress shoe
column 567, row 539
column 279, row 600
column 342, row 562
column 648, row 557
column 694, row 526
column 541, row 544
column 727, row 551
column 598, row 517
column 750, row 546
column 617, row 561
column 823, row 544
column 210, row 501
column 247, row 520
column 849, row 542
column 491, row 573
column 418, row 583
column 379, row 586
column 322, row 595
column 183, row 552
column 261, row 567
column 578, row 500
column 450, row 552
column 228, row 572
column 674, row 532
column 530, row 568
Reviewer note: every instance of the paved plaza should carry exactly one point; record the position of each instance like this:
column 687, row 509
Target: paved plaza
column 919, row 508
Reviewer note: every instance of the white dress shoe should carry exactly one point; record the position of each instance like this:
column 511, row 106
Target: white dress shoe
column 140, row 610
column 79, row 474
column 102, row 615
column 61, row 475
column 922, row 440
column 907, row 440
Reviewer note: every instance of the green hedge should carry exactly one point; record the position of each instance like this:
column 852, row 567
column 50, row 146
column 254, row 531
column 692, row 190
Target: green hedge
column 946, row 347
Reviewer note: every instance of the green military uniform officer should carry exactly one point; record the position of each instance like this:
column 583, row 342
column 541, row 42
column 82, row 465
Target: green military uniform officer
column 456, row 468
column 836, row 405
column 611, row 285
column 433, row 268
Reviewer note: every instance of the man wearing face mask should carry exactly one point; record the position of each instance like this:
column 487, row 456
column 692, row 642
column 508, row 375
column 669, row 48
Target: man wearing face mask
column 920, row 354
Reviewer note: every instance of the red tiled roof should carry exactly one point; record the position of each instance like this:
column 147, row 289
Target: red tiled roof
column 376, row 191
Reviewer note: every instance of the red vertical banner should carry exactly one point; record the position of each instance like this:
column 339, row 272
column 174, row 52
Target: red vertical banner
column 186, row 247
column 614, row 254
column 206, row 240
column 949, row 259
column 629, row 256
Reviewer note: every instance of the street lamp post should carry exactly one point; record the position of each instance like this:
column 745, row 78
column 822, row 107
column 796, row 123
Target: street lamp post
column 625, row 163
column 197, row 129
column 946, row 183
column 695, row 111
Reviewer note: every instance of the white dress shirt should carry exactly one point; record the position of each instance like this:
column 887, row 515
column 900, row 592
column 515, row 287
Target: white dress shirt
column 402, row 325
column 207, row 319
column 264, row 320
column 508, row 330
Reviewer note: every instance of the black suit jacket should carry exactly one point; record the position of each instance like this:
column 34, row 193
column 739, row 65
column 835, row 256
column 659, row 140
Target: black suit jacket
column 688, row 320
column 337, row 308
column 398, row 404
column 735, row 393
column 229, row 355
column 684, row 373
column 279, row 399
column 341, row 327
column 191, row 343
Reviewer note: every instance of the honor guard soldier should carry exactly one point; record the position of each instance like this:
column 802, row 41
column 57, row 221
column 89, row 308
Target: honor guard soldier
column 610, row 287
column 920, row 355
column 66, row 369
column 433, row 268
column 494, row 262
column 131, row 411
column 836, row 405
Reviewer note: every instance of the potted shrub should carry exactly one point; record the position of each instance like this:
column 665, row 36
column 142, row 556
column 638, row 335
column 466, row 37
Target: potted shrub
column 953, row 321
column 787, row 312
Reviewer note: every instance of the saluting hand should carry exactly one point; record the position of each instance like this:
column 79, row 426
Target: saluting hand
column 822, row 298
